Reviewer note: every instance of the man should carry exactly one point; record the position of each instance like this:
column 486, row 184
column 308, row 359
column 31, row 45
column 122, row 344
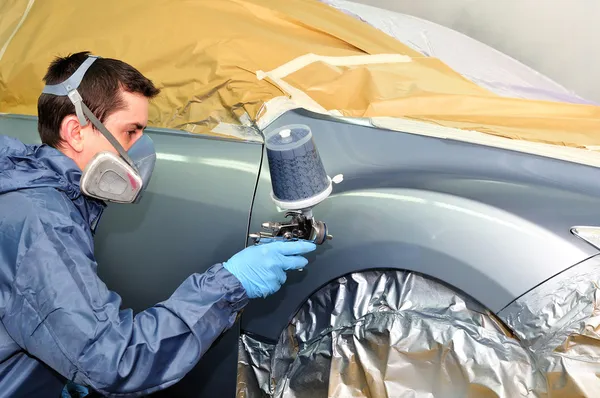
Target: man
column 58, row 319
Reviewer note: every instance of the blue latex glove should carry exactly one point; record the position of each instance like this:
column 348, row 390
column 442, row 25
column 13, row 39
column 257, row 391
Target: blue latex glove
column 261, row 268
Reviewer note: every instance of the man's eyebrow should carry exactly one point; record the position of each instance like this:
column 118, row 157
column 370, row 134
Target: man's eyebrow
column 138, row 126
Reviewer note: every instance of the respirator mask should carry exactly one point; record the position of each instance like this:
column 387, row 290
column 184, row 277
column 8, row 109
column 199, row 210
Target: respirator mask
column 114, row 178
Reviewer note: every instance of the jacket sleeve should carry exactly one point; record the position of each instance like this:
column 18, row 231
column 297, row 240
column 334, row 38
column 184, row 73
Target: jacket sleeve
column 63, row 314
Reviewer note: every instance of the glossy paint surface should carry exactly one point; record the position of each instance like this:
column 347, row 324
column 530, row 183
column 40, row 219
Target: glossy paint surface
column 492, row 223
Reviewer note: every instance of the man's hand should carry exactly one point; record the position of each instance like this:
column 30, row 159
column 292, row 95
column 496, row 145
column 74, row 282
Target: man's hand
column 261, row 269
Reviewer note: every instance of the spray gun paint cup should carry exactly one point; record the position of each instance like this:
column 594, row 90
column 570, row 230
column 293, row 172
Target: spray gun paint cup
column 298, row 178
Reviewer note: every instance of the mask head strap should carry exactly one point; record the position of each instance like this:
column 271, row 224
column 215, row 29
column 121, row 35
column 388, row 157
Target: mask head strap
column 69, row 88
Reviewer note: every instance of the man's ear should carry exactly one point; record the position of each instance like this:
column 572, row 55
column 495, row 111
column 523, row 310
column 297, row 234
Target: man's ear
column 71, row 133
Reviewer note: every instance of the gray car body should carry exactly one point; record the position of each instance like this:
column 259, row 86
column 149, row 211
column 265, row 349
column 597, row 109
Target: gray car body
column 489, row 222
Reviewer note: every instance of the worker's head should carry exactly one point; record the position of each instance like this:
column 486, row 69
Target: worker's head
column 115, row 95
column 115, row 92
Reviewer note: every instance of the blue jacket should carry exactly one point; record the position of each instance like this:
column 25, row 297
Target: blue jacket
column 59, row 320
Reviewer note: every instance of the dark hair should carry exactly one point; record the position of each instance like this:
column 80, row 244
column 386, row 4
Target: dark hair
column 100, row 90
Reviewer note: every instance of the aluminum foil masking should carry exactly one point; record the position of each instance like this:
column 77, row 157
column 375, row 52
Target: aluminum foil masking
column 388, row 334
column 396, row 334
column 559, row 322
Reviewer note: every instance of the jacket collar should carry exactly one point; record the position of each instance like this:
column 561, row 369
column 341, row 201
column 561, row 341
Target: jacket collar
column 91, row 209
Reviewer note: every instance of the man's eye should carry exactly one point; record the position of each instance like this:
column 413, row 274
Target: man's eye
column 132, row 132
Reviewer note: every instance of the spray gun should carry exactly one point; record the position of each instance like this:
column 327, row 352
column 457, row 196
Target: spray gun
column 299, row 182
column 301, row 226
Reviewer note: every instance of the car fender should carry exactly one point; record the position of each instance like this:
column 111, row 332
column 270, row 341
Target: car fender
column 490, row 254
column 489, row 222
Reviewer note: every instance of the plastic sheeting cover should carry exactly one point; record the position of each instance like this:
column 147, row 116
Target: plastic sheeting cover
column 392, row 334
column 474, row 60
column 202, row 54
column 206, row 55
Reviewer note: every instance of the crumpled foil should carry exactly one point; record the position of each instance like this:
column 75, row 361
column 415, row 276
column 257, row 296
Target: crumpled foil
column 254, row 367
column 399, row 334
column 559, row 323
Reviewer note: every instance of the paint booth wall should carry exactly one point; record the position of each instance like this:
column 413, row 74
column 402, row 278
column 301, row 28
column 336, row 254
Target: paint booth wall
column 559, row 38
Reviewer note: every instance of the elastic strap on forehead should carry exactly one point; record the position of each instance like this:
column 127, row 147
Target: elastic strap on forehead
column 69, row 88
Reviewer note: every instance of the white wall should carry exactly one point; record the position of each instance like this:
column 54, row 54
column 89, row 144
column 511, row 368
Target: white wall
column 559, row 38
